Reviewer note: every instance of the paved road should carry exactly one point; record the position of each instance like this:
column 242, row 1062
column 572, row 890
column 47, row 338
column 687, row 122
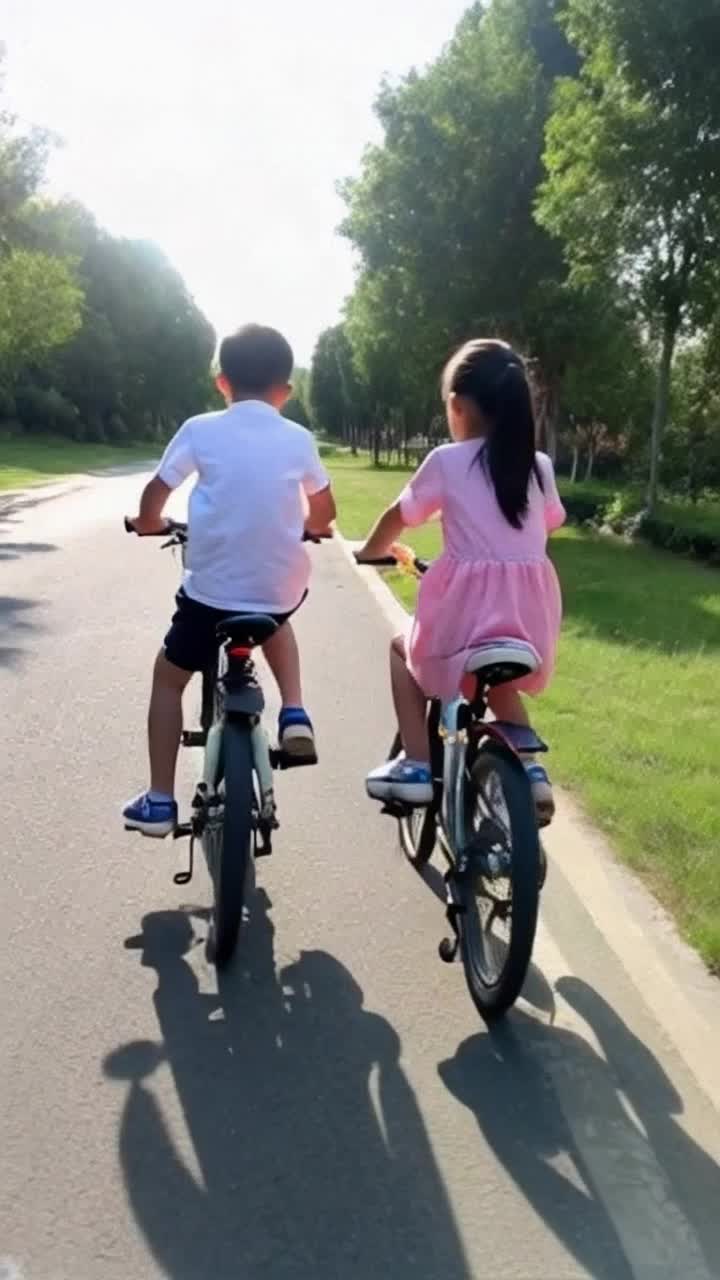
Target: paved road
column 334, row 1111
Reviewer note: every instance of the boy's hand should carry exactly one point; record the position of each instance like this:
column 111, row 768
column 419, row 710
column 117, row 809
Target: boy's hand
column 147, row 526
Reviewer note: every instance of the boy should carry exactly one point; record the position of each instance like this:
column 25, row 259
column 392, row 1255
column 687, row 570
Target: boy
column 260, row 483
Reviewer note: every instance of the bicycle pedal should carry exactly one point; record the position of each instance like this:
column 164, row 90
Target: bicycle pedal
column 182, row 830
column 282, row 760
column 194, row 738
column 396, row 809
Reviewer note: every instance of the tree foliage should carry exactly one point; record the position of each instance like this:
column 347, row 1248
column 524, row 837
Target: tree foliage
column 551, row 178
column 633, row 158
column 99, row 338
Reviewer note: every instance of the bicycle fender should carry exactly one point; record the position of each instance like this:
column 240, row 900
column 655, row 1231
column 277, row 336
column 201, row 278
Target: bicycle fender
column 246, row 701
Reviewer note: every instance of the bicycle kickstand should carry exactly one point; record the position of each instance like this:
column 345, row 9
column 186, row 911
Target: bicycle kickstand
column 449, row 947
column 184, row 877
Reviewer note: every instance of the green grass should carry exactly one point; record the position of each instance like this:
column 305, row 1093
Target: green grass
column 633, row 714
column 40, row 459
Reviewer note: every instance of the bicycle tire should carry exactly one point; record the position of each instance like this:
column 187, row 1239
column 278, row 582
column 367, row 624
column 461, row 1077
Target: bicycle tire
column 416, row 828
column 493, row 997
column 232, row 855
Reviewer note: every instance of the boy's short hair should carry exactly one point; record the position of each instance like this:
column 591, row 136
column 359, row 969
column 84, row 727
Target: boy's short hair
column 256, row 358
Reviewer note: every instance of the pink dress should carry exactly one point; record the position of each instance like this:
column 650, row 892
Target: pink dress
column 492, row 581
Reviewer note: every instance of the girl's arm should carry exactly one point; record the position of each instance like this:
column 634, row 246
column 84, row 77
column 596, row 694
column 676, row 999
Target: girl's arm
column 384, row 533
column 420, row 500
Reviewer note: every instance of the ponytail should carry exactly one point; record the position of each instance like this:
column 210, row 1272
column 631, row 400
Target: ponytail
column 489, row 373
column 510, row 456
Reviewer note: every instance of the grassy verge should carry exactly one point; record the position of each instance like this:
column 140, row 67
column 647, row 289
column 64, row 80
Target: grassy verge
column 39, row 459
column 633, row 714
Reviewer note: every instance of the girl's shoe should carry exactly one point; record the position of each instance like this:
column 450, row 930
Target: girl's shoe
column 407, row 780
column 542, row 794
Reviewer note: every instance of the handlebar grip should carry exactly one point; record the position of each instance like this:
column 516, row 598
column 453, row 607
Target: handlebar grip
column 128, row 526
column 382, row 562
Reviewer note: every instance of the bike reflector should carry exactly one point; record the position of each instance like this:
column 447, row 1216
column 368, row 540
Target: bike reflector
column 240, row 651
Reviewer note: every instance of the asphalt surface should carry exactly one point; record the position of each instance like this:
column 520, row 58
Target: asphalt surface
column 334, row 1109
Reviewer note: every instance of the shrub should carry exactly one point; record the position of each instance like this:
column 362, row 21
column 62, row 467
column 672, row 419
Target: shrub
column 676, row 526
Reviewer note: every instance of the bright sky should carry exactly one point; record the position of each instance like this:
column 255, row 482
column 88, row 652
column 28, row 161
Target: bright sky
column 218, row 128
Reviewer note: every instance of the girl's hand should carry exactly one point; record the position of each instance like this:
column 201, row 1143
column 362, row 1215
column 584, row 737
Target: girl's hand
column 403, row 553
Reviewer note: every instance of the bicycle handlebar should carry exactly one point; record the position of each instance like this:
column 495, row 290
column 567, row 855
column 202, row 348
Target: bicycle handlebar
column 180, row 527
column 170, row 526
column 416, row 565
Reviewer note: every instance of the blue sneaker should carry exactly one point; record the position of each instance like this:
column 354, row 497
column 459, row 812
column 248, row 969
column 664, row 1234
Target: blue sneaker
column 401, row 779
column 151, row 817
column 295, row 734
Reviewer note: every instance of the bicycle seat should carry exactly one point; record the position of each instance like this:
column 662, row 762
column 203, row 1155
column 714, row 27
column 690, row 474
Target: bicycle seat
column 250, row 629
column 499, row 661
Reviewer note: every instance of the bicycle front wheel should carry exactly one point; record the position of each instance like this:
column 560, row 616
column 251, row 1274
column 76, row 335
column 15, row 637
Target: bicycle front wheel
column 230, row 839
column 499, row 889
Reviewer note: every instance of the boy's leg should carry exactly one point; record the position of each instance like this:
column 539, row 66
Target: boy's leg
column 410, row 705
column 295, row 730
column 283, row 658
column 165, row 723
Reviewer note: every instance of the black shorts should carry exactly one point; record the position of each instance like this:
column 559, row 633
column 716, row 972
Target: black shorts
column 191, row 642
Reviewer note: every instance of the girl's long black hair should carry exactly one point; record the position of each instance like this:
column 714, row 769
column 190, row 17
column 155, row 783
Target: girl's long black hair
column 490, row 374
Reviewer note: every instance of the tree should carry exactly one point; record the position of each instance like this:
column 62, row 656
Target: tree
column 633, row 185
column 40, row 308
column 692, row 452
column 337, row 395
column 442, row 212
column 23, row 156
column 298, row 406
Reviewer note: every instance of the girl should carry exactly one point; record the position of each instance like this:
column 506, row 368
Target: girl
column 498, row 501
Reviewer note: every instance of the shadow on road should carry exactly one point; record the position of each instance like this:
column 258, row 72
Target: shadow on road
column 523, row 1081
column 14, row 621
column 14, row 550
column 306, row 1154
column 12, row 508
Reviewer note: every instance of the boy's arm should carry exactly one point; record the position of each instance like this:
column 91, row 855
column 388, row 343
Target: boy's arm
column 177, row 463
column 318, row 491
column 152, row 503
column 321, row 511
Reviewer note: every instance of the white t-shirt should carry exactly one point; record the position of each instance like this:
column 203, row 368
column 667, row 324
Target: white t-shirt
column 247, row 510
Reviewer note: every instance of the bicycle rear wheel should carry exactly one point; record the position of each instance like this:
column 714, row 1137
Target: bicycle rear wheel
column 499, row 889
column 228, row 841
column 417, row 826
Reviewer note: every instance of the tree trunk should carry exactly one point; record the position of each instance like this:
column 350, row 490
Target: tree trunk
column 575, row 463
column 590, row 460
column 551, row 418
column 662, row 400
column 376, row 442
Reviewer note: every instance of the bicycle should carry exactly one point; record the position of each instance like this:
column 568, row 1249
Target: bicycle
column 482, row 818
column 233, row 811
